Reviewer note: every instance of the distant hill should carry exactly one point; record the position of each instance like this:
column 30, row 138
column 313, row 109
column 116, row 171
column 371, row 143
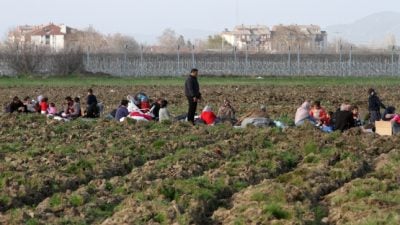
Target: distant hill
column 369, row 30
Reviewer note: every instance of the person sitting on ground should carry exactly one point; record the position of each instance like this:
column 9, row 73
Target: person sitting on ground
column 396, row 123
column 16, row 106
column 68, row 107
column 52, row 109
column 258, row 118
column 389, row 113
column 356, row 116
column 164, row 113
column 92, row 110
column 319, row 114
column 144, row 104
column 303, row 114
column 76, row 112
column 344, row 118
column 226, row 112
column 30, row 105
column 374, row 106
column 208, row 116
column 44, row 105
column 155, row 108
column 122, row 111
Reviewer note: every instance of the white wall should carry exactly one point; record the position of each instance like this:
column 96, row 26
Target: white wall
column 56, row 41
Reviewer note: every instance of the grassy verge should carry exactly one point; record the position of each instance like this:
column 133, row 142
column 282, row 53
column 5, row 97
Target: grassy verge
column 83, row 80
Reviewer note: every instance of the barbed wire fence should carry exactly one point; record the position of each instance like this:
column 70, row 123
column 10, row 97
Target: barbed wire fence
column 294, row 62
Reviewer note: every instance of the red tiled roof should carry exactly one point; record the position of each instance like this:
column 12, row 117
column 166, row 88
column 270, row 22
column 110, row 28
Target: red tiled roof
column 48, row 30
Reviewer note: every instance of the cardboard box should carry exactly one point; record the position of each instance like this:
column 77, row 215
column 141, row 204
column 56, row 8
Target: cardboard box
column 384, row 128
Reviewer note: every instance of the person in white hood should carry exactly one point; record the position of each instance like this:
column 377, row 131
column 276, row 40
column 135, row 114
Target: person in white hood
column 303, row 114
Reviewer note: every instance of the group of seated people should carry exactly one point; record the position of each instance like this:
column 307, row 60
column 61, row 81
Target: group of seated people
column 140, row 107
column 345, row 117
column 71, row 107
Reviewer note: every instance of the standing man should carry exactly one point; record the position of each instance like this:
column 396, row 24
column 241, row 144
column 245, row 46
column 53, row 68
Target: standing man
column 374, row 106
column 192, row 92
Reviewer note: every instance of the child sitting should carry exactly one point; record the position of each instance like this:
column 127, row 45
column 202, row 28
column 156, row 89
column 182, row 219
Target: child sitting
column 226, row 112
column 29, row 104
column 76, row 108
column 208, row 116
column 52, row 110
column 319, row 114
column 164, row 113
column 122, row 110
column 44, row 106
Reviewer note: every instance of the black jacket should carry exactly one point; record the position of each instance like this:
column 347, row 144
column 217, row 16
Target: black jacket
column 344, row 120
column 91, row 100
column 192, row 88
column 374, row 103
column 15, row 106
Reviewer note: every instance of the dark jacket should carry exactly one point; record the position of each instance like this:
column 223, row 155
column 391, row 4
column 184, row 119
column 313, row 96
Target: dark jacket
column 15, row 106
column 156, row 110
column 192, row 88
column 344, row 120
column 91, row 100
column 122, row 111
column 388, row 110
column 374, row 103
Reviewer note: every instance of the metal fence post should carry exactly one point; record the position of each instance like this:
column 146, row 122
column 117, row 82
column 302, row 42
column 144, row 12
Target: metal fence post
column 289, row 62
column 179, row 68
column 88, row 57
column 398, row 64
column 125, row 61
column 298, row 60
column 393, row 48
column 141, row 61
column 246, row 61
column 234, row 60
column 340, row 60
column 350, row 60
column 193, row 62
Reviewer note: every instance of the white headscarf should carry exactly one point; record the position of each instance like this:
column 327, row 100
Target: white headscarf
column 302, row 112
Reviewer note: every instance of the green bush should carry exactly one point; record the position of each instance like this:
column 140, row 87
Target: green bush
column 76, row 200
column 276, row 211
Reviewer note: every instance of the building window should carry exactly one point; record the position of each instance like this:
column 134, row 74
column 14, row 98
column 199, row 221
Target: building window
column 47, row 39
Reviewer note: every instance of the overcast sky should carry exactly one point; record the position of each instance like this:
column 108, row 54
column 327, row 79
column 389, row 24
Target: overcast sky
column 150, row 17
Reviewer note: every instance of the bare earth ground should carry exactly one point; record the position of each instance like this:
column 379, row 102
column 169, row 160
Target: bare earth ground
column 103, row 172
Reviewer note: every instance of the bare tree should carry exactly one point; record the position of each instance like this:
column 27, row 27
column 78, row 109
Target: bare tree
column 26, row 58
column 119, row 43
column 168, row 40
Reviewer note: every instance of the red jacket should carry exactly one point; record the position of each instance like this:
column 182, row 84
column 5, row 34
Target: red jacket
column 44, row 106
column 320, row 116
column 208, row 117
